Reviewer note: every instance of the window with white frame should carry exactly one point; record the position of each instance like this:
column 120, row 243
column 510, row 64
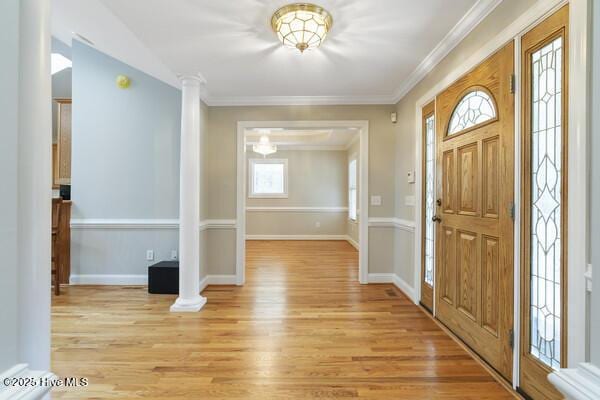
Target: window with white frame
column 352, row 189
column 268, row 178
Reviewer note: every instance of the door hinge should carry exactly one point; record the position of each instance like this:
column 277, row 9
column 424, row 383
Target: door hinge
column 511, row 338
column 511, row 210
column 512, row 83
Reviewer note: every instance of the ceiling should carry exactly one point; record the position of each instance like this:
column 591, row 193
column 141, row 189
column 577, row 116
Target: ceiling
column 376, row 51
column 306, row 139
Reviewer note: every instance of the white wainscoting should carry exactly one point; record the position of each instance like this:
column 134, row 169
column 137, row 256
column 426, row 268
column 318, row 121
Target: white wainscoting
column 112, row 251
column 402, row 225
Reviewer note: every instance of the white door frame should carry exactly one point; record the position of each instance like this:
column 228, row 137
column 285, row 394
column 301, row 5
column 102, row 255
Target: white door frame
column 363, row 201
column 577, row 168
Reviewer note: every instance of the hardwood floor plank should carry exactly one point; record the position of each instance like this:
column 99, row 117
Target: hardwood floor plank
column 301, row 328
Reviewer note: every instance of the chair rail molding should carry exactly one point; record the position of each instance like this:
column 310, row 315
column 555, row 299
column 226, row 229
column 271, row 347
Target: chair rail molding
column 581, row 383
column 392, row 222
column 43, row 383
column 148, row 224
column 298, row 209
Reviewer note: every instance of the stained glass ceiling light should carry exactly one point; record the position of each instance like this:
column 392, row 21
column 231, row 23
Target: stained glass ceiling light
column 302, row 26
column 264, row 146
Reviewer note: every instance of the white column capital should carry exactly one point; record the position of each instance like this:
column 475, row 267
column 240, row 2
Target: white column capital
column 192, row 79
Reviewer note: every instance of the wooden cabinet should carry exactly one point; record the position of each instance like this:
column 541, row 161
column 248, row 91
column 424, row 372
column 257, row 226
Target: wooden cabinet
column 64, row 241
column 62, row 153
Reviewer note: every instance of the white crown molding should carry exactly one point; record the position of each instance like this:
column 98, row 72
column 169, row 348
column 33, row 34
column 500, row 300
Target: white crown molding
column 240, row 101
column 581, row 383
column 25, row 392
column 386, row 222
column 298, row 209
column 467, row 23
column 473, row 17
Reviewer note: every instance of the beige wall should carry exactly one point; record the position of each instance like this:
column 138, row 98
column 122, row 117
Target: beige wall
column 221, row 147
column 316, row 178
column 222, row 127
column 501, row 17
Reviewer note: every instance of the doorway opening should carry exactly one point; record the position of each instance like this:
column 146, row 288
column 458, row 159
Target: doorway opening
column 302, row 180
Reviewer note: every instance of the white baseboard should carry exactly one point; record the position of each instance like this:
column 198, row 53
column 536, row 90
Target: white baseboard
column 353, row 242
column 222, row 279
column 581, row 383
column 203, row 283
column 381, row 278
column 124, row 280
column 296, row 237
column 397, row 281
column 405, row 288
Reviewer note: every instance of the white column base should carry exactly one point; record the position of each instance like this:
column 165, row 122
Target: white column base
column 581, row 383
column 188, row 305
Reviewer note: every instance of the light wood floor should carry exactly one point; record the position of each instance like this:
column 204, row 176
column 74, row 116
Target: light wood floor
column 301, row 328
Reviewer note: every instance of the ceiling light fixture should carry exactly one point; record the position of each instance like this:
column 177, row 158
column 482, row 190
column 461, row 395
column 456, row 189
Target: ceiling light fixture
column 302, row 26
column 264, row 146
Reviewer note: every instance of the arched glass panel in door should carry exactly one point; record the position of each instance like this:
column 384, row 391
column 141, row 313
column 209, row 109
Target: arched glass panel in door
column 476, row 107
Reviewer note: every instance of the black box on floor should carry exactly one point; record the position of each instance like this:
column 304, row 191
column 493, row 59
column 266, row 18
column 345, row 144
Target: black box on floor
column 163, row 278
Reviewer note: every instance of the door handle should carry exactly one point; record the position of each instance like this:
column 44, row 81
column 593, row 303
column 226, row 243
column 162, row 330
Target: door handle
column 437, row 219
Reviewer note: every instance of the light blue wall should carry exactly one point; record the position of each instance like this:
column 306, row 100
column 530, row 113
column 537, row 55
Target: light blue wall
column 125, row 154
column 125, row 164
column 9, row 78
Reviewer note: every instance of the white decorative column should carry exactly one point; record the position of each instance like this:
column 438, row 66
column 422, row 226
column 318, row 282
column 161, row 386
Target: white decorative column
column 34, row 183
column 189, row 199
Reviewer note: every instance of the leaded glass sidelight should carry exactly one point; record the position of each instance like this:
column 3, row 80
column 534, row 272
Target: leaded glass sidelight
column 546, row 207
column 429, row 197
column 475, row 107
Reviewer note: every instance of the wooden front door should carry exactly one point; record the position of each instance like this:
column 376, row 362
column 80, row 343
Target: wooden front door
column 474, row 213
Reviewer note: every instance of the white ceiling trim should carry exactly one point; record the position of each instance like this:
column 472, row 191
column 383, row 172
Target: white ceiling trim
column 295, row 100
column 477, row 13
column 467, row 23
